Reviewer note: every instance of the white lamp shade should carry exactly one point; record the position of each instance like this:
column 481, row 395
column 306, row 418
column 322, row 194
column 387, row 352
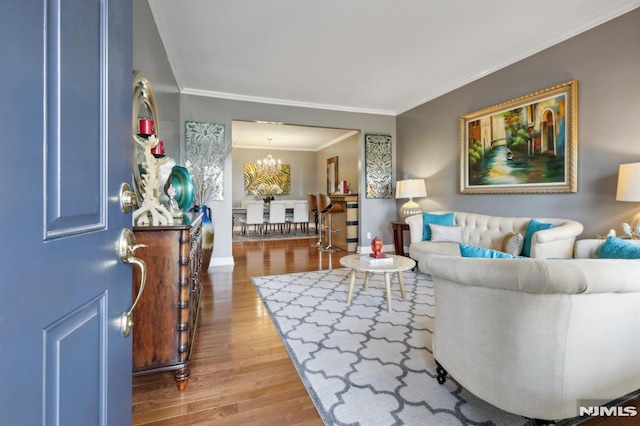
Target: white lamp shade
column 408, row 189
column 411, row 188
column 628, row 182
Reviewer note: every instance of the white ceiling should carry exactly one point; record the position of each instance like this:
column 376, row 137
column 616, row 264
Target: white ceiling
column 371, row 56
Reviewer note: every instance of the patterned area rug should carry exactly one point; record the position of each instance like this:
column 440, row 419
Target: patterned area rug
column 363, row 365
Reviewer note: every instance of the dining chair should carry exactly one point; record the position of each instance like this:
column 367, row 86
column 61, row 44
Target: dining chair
column 300, row 216
column 277, row 215
column 255, row 217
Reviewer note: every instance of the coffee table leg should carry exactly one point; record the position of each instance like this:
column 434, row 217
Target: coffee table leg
column 387, row 281
column 353, row 280
column 401, row 281
column 366, row 281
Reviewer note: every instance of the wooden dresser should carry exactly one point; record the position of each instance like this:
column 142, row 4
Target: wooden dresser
column 166, row 316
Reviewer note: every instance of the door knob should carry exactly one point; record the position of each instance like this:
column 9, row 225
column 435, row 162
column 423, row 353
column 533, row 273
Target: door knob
column 128, row 198
column 126, row 249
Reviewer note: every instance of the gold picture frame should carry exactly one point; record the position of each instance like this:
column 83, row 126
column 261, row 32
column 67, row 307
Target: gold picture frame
column 526, row 145
column 332, row 174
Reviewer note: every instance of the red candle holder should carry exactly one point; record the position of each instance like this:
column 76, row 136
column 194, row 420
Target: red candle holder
column 158, row 150
column 146, row 127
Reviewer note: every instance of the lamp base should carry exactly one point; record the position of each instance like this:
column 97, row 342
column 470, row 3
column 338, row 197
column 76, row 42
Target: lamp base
column 410, row 208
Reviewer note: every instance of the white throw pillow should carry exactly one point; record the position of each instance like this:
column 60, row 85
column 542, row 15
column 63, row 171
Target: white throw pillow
column 443, row 233
column 513, row 243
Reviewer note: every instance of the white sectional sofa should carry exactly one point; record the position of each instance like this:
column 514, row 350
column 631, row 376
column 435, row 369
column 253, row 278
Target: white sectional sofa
column 539, row 337
column 490, row 231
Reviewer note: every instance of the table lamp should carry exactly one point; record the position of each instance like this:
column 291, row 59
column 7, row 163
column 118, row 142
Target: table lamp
column 408, row 189
column 629, row 187
column 628, row 182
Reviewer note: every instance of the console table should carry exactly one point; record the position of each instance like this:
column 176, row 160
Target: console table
column 166, row 316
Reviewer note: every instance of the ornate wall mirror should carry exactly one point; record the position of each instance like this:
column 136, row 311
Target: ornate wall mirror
column 148, row 156
column 144, row 108
column 332, row 174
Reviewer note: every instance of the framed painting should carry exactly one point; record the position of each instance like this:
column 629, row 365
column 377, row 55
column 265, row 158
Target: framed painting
column 258, row 183
column 332, row 174
column 526, row 145
column 378, row 166
column 205, row 155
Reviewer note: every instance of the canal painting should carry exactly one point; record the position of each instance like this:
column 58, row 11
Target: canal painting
column 527, row 145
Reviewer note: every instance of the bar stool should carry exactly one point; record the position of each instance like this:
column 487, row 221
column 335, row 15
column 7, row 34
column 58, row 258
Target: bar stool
column 327, row 209
column 313, row 207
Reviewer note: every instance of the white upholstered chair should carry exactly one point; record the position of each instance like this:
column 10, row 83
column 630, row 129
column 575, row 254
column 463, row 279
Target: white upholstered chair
column 277, row 215
column 255, row 217
column 300, row 216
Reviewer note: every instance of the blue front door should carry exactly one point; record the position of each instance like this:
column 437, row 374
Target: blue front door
column 65, row 149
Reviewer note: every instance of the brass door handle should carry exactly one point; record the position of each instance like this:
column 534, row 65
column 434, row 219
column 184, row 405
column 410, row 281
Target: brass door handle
column 128, row 198
column 126, row 249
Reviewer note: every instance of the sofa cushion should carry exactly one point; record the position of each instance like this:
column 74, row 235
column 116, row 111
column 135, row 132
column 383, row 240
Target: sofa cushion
column 513, row 243
column 533, row 227
column 474, row 251
column 616, row 248
column 443, row 233
column 438, row 219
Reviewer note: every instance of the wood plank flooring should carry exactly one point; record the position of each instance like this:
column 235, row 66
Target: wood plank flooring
column 241, row 373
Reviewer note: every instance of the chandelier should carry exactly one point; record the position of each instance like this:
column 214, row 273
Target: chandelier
column 269, row 164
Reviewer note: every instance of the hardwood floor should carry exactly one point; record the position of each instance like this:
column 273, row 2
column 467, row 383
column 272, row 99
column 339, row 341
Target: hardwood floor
column 241, row 373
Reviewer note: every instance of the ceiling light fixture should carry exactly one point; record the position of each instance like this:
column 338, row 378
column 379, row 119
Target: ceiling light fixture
column 269, row 164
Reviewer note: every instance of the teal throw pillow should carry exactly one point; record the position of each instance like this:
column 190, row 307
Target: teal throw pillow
column 615, row 248
column 438, row 219
column 473, row 251
column 533, row 227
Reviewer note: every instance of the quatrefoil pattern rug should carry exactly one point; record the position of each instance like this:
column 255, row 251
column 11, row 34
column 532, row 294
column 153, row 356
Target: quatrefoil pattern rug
column 362, row 365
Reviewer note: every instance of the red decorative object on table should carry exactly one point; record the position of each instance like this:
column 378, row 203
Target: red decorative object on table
column 158, row 150
column 147, row 127
column 376, row 247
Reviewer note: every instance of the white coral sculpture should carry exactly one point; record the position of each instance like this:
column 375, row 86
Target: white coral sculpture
column 151, row 211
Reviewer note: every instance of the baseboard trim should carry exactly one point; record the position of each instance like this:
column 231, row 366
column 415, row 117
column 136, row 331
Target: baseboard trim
column 221, row 261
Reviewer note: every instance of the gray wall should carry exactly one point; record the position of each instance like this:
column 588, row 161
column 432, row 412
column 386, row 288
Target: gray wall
column 606, row 63
column 375, row 214
column 347, row 151
column 174, row 109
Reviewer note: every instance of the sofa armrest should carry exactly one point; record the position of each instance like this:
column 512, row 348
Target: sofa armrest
column 540, row 276
column 557, row 241
column 588, row 248
column 567, row 230
column 415, row 227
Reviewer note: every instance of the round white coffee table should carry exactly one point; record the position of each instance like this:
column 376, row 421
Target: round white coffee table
column 400, row 264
